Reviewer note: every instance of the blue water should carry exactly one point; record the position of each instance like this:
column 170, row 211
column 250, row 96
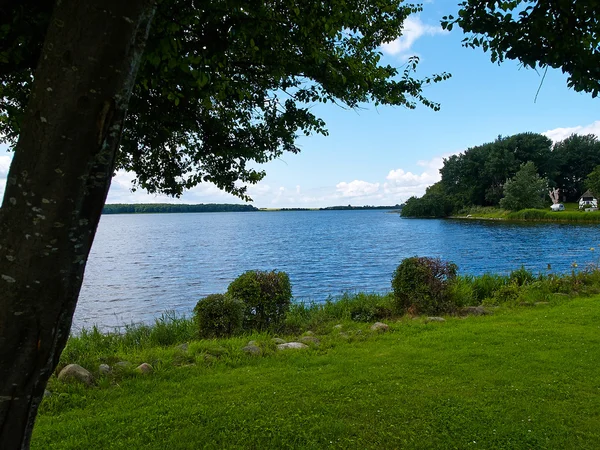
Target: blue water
column 143, row 265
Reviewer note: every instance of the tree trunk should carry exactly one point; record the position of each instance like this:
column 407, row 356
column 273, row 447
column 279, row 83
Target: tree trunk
column 56, row 188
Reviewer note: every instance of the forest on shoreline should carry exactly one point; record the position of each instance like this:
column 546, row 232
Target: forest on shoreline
column 154, row 208
column 480, row 176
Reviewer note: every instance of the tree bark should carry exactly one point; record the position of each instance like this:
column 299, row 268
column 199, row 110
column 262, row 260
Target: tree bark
column 56, row 188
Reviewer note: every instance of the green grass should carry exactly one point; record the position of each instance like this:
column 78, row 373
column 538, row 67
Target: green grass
column 523, row 377
column 570, row 214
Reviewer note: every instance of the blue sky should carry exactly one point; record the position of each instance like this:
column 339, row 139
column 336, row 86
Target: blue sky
column 382, row 156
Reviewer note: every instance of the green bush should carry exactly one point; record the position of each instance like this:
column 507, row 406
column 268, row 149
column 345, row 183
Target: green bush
column 219, row 315
column 521, row 276
column 421, row 285
column 266, row 297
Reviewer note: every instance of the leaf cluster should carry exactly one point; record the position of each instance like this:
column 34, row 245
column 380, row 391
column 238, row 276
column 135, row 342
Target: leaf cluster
column 538, row 33
column 227, row 85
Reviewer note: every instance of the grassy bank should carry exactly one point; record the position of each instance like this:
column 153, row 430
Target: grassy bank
column 524, row 376
column 570, row 214
column 520, row 378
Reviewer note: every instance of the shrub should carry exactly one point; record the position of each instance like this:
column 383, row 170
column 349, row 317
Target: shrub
column 461, row 292
column 421, row 285
column 266, row 297
column 521, row 276
column 218, row 315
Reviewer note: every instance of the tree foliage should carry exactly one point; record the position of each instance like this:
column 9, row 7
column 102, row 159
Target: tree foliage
column 477, row 176
column 539, row 33
column 592, row 181
column 227, row 83
column 525, row 190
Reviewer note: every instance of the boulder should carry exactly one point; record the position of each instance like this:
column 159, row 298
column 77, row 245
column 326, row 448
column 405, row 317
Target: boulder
column 47, row 393
column 290, row 345
column 309, row 340
column 379, row 326
column 104, row 369
column 252, row 349
column 278, row 341
column 435, row 319
column 337, row 327
column 74, row 372
column 144, row 368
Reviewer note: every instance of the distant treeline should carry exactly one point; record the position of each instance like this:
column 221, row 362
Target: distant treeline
column 359, row 207
column 339, row 208
column 477, row 176
column 145, row 208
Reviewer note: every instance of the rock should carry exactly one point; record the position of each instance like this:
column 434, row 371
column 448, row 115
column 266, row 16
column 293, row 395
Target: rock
column 183, row 347
column 337, row 327
column 145, row 368
column 77, row 373
column 435, row 319
column 291, row 345
column 379, row 326
column 473, row 311
column 278, row 341
column 309, row 333
column 309, row 340
column 123, row 365
column 47, row 393
column 253, row 343
column 254, row 350
column 104, row 368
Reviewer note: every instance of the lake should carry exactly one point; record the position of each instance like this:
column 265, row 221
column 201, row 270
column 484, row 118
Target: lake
column 145, row 264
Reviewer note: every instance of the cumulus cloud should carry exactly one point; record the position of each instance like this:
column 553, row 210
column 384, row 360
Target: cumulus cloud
column 414, row 28
column 558, row 134
column 356, row 188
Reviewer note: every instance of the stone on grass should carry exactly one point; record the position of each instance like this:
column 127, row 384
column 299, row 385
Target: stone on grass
column 104, row 368
column 278, row 341
column 435, row 319
column 337, row 327
column 74, row 372
column 123, row 365
column 379, row 326
column 144, row 368
column 473, row 311
column 252, row 349
column 309, row 340
column 47, row 393
column 290, row 345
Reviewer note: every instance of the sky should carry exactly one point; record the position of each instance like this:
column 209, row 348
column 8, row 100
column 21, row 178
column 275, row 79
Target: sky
column 384, row 155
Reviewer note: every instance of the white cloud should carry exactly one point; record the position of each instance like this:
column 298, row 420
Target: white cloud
column 414, row 28
column 356, row 188
column 558, row 134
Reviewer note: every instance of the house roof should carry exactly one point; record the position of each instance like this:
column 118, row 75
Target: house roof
column 587, row 193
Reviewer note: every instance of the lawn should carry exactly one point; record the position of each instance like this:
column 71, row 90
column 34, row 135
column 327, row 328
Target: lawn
column 523, row 377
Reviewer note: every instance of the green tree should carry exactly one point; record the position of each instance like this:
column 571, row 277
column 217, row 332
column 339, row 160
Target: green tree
column 539, row 33
column 178, row 92
column 574, row 158
column 592, row 181
column 525, row 190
